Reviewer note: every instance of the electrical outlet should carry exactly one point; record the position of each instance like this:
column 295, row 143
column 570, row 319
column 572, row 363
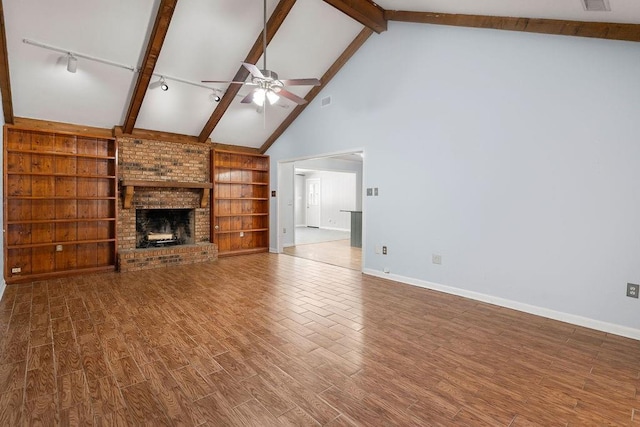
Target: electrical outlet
column 384, row 250
column 58, row 248
column 632, row 290
column 242, row 234
column 385, row 270
column 284, row 231
column 15, row 270
column 436, row 259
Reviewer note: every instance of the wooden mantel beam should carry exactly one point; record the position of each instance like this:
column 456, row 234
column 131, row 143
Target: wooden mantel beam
column 365, row 12
column 5, row 82
column 603, row 30
column 160, row 28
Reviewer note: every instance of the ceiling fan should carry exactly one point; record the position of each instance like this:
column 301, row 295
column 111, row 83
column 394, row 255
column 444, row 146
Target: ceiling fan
column 266, row 82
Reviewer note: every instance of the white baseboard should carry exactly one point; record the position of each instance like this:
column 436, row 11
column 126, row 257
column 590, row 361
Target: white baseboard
column 3, row 286
column 273, row 250
column 335, row 228
column 611, row 328
column 288, row 245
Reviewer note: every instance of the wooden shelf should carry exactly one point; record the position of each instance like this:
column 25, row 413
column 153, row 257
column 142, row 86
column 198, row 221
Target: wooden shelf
column 242, row 182
column 61, row 197
column 242, row 214
column 241, row 231
column 242, row 198
column 129, row 186
column 242, row 168
column 63, row 175
column 73, row 242
column 60, row 153
column 244, row 251
column 59, row 221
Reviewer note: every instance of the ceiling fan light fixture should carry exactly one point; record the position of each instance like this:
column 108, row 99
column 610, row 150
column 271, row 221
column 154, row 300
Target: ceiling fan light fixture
column 72, row 63
column 259, row 96
column 272, row 97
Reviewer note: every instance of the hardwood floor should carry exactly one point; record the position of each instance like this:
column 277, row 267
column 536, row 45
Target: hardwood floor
column 277, row 340
column 337, row 252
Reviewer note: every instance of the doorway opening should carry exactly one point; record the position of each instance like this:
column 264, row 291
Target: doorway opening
column 325, row 193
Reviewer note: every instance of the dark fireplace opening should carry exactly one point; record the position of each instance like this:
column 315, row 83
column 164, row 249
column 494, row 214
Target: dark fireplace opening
column 164, row 227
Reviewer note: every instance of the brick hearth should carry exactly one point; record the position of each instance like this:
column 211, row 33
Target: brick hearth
column 152, row 160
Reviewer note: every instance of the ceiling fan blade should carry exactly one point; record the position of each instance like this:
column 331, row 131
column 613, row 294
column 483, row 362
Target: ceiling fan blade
column 255, row 71
column 301, row 82
column 247, row 99
column 292, row 97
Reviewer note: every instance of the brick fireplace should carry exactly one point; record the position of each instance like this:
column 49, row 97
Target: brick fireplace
column 145, row 162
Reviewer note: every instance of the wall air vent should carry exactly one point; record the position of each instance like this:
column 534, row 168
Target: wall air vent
column 596, row 5
column 325, row 102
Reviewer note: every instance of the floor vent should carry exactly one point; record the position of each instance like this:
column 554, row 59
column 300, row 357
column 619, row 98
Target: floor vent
column 596, row 5
column 325, row 102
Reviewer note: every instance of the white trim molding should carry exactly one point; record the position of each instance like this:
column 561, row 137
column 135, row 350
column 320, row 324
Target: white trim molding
column 3, row 286
column 611, row 328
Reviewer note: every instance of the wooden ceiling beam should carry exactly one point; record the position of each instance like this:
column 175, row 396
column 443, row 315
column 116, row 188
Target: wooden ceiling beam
column 273, row 25
column 603, row 30
column 365, row 12
column 325, row 79
column 159, row 32
column 5, row 81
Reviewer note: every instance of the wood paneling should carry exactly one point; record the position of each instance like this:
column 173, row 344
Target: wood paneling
column 60, row 193
column 603, row 30
column 240, row 207
column 277, row 340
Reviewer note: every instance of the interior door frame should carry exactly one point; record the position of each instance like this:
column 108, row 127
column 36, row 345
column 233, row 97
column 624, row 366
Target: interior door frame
column 281, row 201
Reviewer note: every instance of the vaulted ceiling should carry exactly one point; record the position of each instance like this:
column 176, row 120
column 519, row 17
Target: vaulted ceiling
column 189, row 41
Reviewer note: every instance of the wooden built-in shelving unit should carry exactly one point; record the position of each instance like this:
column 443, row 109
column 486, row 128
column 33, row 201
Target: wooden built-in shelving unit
column 59, row 203
column 240, row 207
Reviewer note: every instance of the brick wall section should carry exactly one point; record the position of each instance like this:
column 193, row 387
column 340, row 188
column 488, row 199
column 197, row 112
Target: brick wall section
column 142, row 259
column 152, row 160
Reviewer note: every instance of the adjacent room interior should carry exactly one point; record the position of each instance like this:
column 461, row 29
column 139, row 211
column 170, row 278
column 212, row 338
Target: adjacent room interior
column 327, row 210
column 320, row 212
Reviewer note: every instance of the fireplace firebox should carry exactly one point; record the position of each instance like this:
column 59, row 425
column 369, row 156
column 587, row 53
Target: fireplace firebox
column 164, row 227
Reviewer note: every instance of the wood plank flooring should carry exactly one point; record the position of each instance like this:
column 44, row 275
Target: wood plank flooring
column 337, row 252
column 277, row 340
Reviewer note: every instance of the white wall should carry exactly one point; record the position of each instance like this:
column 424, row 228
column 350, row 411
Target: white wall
column 515, row 156
column 337, row 193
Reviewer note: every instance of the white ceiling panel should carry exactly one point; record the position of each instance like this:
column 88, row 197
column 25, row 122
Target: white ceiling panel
column 624, row 11
column 207, row 40
column 97, row 94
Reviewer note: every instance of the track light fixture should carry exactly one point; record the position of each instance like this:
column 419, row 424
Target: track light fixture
column 163, row 84
column 216, row 97
column 72, row 63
